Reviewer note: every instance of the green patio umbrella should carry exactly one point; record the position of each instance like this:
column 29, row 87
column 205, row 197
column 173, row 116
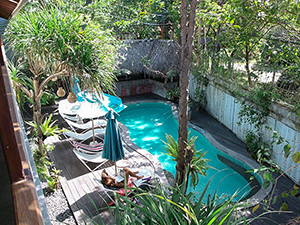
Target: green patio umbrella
column 112, row 146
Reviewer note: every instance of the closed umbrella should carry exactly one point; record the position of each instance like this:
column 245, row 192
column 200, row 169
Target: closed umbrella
column 112, row 145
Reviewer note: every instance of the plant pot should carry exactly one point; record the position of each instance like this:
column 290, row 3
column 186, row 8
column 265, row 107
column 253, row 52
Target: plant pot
column 72, row 97
column 60, row 92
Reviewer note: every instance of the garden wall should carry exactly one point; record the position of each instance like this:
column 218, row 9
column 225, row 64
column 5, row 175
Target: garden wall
column 225, row 107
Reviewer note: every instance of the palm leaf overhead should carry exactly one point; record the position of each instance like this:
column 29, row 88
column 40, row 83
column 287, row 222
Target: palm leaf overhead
column 54, row 40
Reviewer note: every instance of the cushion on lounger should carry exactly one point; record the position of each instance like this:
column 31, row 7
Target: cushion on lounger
column 94, row 148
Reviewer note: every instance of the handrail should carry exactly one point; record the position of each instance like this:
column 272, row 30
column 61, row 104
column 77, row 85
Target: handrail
column 26, row 205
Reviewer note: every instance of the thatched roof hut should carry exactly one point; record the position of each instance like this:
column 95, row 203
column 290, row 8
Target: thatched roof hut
column 159, row 55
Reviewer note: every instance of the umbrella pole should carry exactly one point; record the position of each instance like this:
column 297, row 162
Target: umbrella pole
column 116, row 170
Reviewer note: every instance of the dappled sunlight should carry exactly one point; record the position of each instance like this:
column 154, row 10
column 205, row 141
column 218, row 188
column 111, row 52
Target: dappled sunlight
column 142, row 127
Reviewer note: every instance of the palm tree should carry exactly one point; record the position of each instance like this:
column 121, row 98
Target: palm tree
column 55, row 41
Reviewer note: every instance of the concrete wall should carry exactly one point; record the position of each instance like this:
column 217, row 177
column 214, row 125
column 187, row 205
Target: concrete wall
column 225, row 108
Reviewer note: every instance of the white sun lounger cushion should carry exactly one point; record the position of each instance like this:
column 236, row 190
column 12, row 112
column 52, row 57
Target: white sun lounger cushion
column 88, row 125
column 96, row 158
column 72, row 118
column 88, row 148
column 83, row 136
column 93, row 158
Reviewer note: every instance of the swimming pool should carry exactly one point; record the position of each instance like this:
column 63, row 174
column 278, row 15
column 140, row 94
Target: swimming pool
column 148, row 124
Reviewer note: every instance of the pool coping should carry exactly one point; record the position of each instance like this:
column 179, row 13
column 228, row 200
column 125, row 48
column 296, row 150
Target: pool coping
column 254, row 200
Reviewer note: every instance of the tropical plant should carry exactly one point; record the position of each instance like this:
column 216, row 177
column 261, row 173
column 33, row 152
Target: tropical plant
column 162, row 206
column 48, row 98
column 198, row 165
column 42, row 162
column 19, row 78
column 55, row 41
column 53, row 180
column 47, row 127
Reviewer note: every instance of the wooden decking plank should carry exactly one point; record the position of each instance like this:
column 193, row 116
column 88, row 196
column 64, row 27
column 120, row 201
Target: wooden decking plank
column 67, row 192
column 71, row 198
column 82, row 203
column 101, row 200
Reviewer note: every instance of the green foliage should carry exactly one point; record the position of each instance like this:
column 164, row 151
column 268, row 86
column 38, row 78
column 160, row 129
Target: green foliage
column 263, row 154
column 252, row 142
column 242, row 40
column 19, row 78
column 200, row 93
column 48, row 98
column 259, row 150
column 198, row 166
column 53, row 180
column 267, row 170
column 43, row 165
column 139, row 19
column 171, row 147
column 256, row 105
column 41, row 162
column 267, row 174
column 48, row 128
column 51, row 37
column 161, row 206
column 173, row 94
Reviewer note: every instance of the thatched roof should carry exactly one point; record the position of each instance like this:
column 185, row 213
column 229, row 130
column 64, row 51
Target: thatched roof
column 161, row 55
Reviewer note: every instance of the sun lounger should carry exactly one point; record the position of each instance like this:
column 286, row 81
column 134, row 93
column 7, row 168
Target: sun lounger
column 73, row 118
column 88, row 125
column 84, row 136
column 89, row 149
column 90, row 158
column 121, row 191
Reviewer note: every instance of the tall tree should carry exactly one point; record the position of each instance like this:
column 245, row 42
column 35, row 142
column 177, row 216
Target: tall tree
column 56, row 41
column 185, row 155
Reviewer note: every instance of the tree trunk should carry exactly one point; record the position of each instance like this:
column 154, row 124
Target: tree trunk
column 188, row 160
column 187, row 31
column 37, row 114
column 247, row 65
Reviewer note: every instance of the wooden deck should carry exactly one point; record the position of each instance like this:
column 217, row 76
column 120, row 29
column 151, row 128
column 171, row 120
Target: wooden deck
column 81, row 187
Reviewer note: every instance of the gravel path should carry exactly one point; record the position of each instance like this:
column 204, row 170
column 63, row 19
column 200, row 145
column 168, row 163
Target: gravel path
column 58, row 208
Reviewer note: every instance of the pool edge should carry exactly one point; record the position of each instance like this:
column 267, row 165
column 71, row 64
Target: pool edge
column 256, row 198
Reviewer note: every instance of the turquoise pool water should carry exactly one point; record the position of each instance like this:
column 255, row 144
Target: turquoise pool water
column 148, row 124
